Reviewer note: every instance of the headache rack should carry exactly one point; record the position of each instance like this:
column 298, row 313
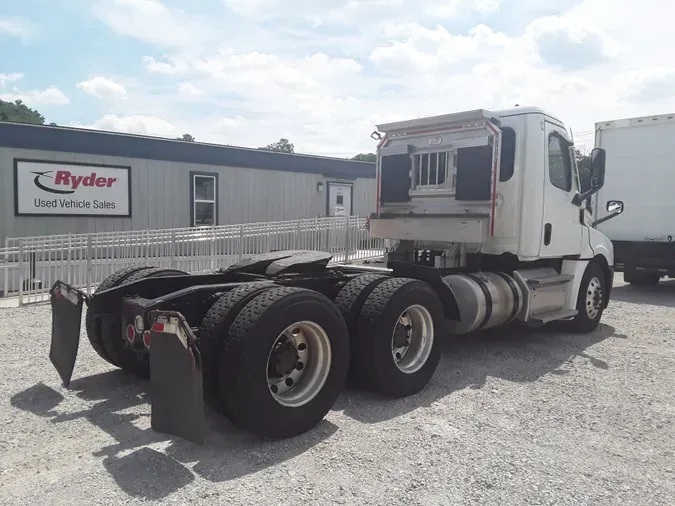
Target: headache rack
column 440, row 167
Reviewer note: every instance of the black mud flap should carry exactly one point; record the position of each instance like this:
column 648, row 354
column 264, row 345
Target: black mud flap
column 176, row 383
column 67, row 303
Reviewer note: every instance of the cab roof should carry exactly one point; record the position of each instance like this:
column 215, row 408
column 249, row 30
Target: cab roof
column 465, row 117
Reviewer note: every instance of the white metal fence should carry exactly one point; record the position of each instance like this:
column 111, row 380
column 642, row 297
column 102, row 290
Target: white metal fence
column 30, row 265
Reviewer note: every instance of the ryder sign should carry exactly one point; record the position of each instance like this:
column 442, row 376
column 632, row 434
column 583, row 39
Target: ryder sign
column 69, row 189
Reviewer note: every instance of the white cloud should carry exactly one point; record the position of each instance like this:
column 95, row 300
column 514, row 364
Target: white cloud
column 138, row 124
column 646, row 84
column 16, row 26
column 159, row 67
column 103, row 88
column 325, row 81
column 189, row 90
column 153, row 22
column 359, row 11
column 8, row 78
column 49, row 96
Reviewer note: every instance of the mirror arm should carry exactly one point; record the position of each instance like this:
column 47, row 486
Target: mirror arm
column 580, row 197
column 606, row 218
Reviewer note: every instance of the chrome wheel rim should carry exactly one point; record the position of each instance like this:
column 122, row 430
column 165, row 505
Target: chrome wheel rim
column 594, row 298
column 412, row 339
column 298, row 364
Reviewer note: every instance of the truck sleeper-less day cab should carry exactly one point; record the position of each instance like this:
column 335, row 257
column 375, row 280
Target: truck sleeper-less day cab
column 487, row 225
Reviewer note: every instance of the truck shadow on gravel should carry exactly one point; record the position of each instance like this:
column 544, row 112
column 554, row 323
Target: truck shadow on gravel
column 515, row 353
column 662, row 294
column 121, row 407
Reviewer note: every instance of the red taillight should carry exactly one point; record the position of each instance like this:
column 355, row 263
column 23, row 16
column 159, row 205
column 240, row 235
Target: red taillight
column 146, row 338
column 131, row 333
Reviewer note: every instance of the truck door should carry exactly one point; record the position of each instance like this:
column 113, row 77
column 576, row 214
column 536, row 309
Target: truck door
column 561, row 230
column 339, row 204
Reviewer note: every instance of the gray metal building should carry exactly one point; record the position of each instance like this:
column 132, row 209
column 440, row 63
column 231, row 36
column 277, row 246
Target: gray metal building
column 58, row 180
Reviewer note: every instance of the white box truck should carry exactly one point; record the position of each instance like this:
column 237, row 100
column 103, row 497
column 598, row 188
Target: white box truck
column 640, row 176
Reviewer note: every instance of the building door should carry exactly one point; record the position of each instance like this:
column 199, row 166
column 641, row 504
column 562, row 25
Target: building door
column 562, row 232
column 339, row 199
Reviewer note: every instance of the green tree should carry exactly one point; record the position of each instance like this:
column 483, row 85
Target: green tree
column 282, row 145
column 186, row 138
column 20, row 113
column 584, row 164
column 366, row 157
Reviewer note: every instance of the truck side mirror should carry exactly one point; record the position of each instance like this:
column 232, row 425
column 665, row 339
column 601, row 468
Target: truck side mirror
column 614, row 206
column 597, row 172
column 597, row 167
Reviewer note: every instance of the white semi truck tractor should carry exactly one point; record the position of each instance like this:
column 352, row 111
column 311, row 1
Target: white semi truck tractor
column 487, row 224
column 491, row 203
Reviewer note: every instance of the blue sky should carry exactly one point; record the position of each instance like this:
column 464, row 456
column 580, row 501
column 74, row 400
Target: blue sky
column 323, row 74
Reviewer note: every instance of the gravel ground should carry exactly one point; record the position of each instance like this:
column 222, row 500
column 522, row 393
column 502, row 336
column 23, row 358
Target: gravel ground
column 512, row 417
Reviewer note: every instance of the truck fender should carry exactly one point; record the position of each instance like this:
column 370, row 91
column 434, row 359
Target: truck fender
column 574, row 268
column 577, row 268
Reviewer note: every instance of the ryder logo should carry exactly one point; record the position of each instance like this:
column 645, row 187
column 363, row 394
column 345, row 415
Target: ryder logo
column 65, row 183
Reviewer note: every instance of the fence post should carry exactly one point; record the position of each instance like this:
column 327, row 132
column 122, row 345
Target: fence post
column 5, row 291
column 173, row 250
column 347, row 223
column 90, row 254
column 147, row 246
column 212, row 244
column 69, row 266
column 241, row 243
column 296, row 242
column 21, row 276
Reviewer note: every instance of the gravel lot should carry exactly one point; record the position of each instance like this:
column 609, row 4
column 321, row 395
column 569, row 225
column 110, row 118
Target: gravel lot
column 512, row 417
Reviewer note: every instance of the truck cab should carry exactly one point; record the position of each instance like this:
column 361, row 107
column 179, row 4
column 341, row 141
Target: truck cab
column 491, row 191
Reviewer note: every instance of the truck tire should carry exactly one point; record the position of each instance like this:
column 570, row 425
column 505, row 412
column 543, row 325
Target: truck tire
column 350, row 300
column 589, row 300
column 214, row 329
column 92, row 323
column 351, row 297
column 641, row 278
column 398, row 337
column 110, row 336
column 284, row 362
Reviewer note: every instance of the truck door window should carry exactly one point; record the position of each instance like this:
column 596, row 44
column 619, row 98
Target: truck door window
column 559, row 163
column 508, row 158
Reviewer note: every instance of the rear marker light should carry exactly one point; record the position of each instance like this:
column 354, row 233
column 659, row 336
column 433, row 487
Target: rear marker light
column 131, row 333
column 139, row 324
column 158, row 327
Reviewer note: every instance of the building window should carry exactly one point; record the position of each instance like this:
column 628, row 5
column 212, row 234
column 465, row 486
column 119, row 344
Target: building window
column 204, row 197
column 559, row 163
